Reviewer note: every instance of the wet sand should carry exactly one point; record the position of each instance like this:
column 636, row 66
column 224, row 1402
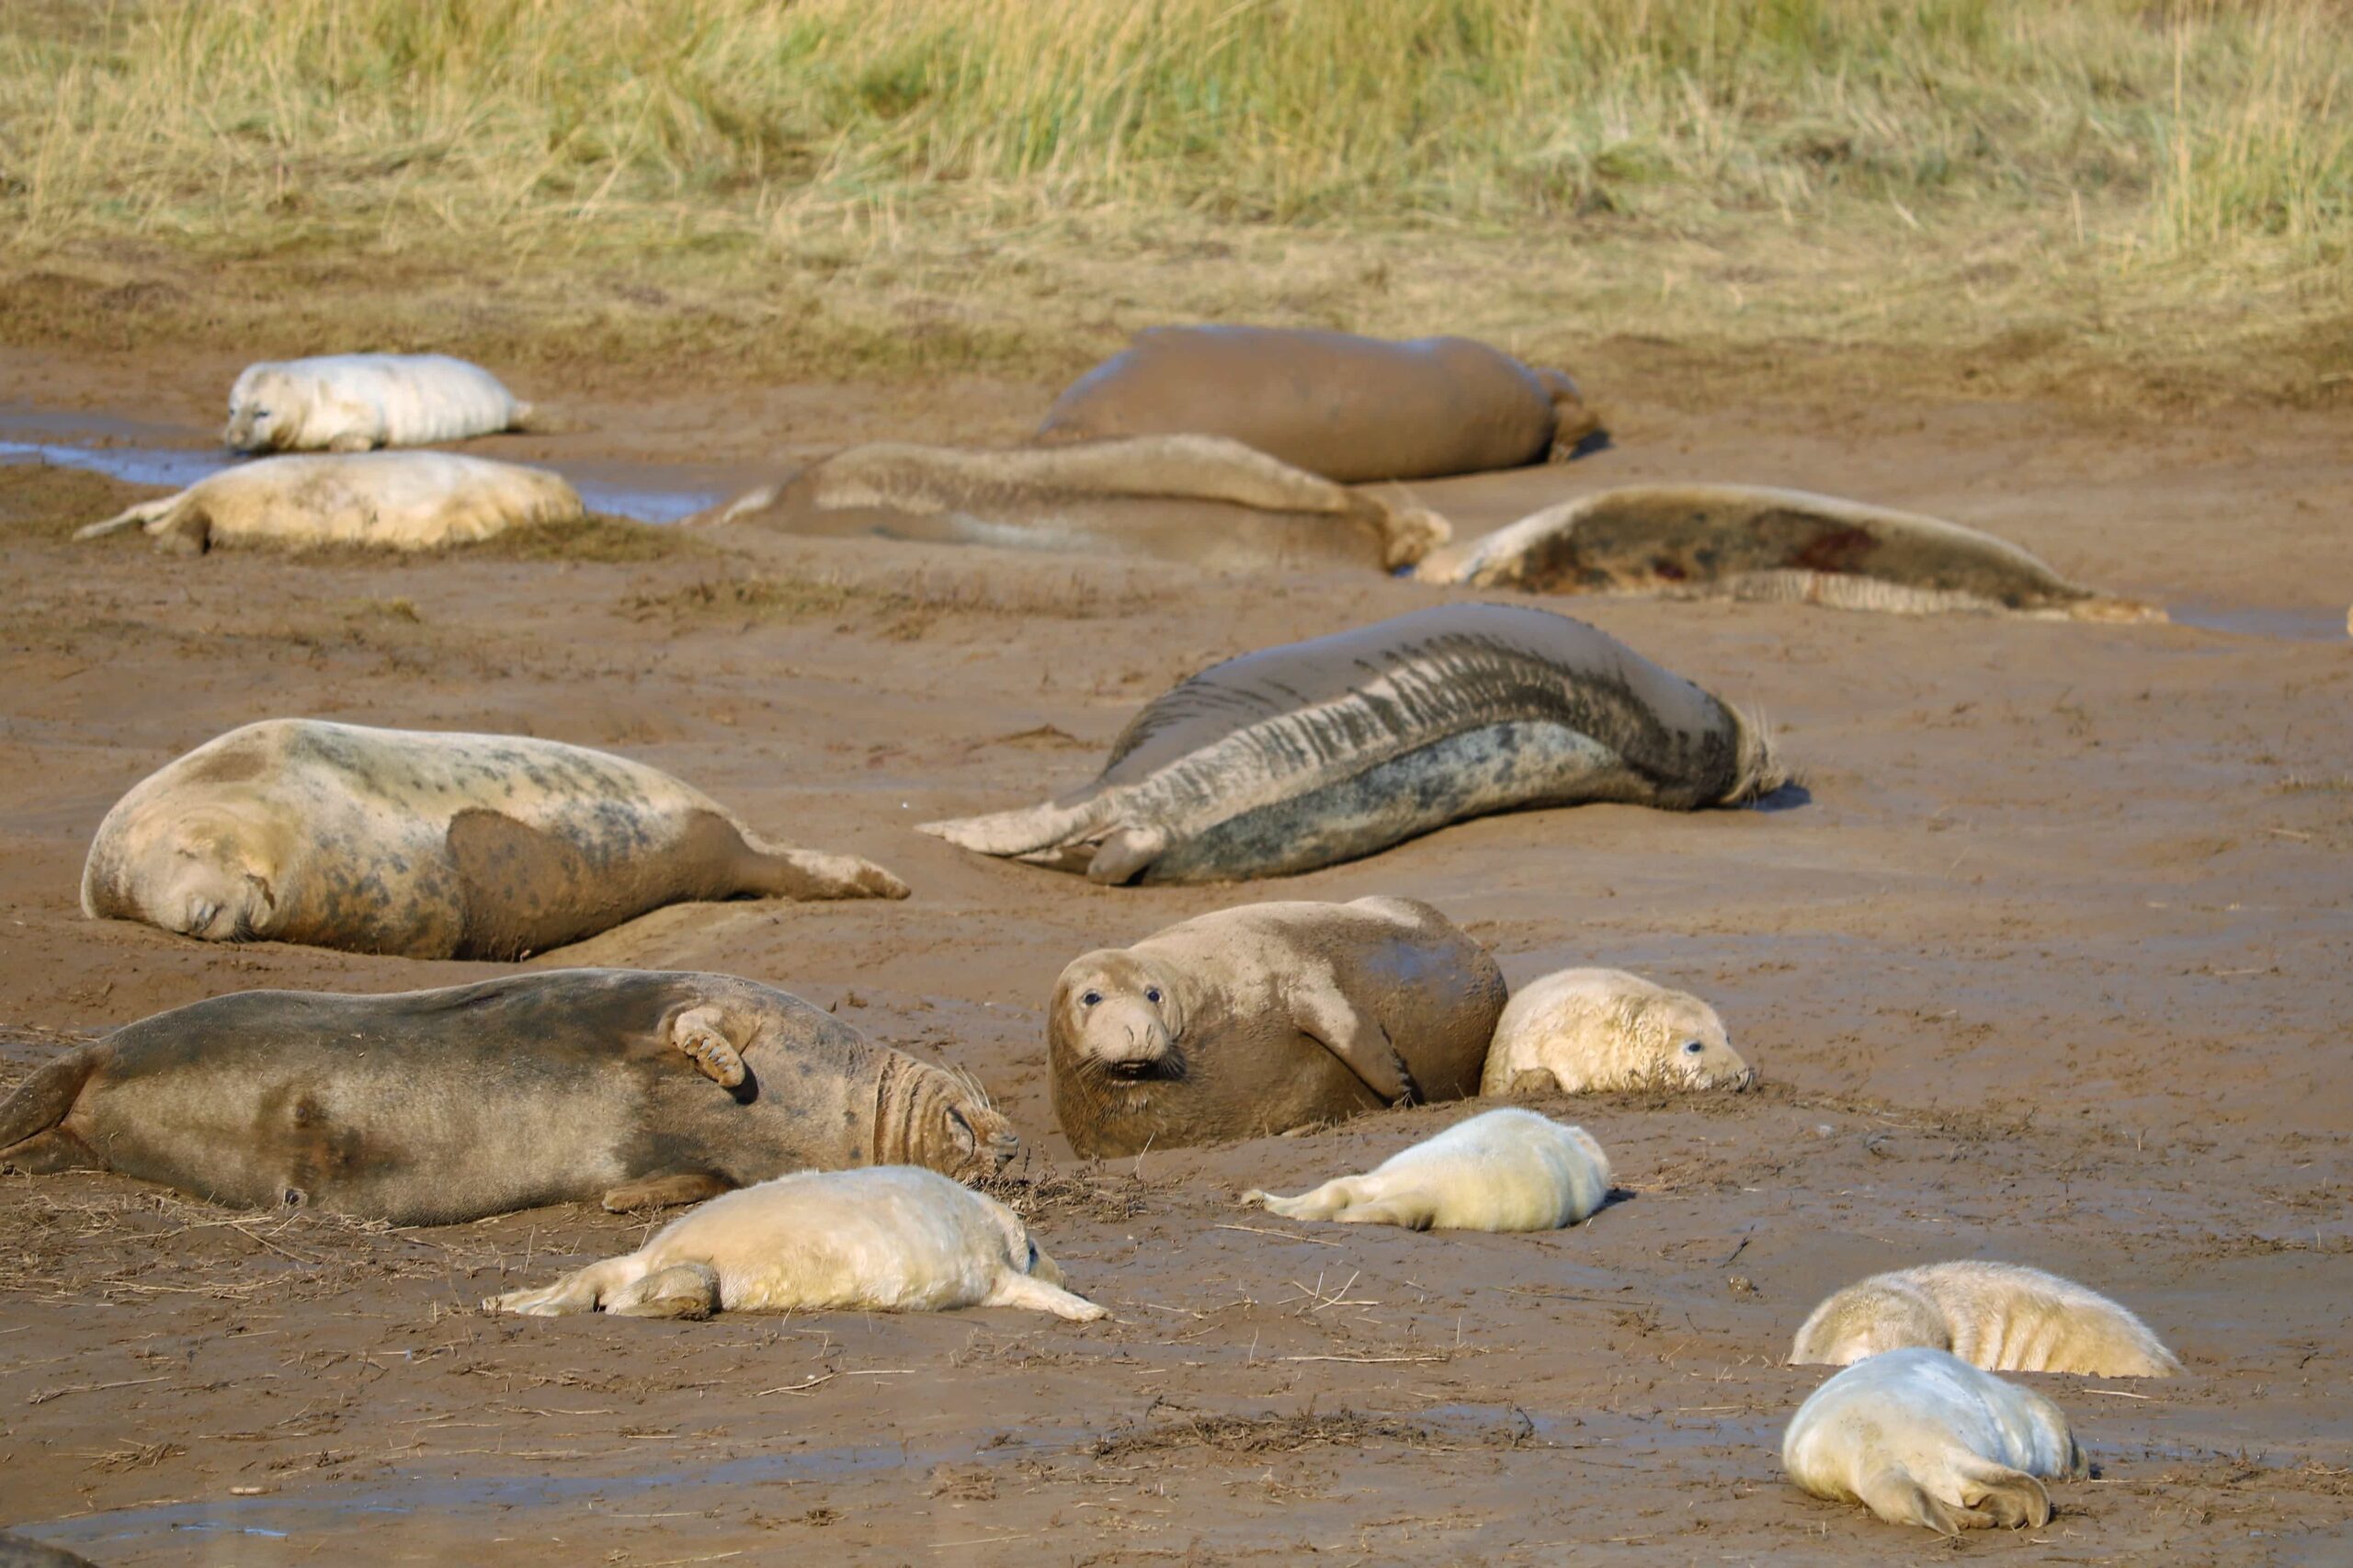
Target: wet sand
column 2047, row 961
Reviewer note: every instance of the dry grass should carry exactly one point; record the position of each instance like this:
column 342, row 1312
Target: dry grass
column 898, row 186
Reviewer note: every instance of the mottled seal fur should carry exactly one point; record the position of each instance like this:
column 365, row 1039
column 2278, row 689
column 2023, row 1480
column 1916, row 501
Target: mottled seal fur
column 1581, row 1031
column 350, row 403
column 23, row 1551
column 1302, row 756
column 1507, row 1170
column 1264, row 1018
column 1200, row 499
column 626, row 1087
column 893, row 1239
column 1748, row 542
column 428, row 845
column 388, row 500
column 2003, row 1317
column 1921, row 1438
column 1349, row 408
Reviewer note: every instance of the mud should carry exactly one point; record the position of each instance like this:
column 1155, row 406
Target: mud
column 2047, row 960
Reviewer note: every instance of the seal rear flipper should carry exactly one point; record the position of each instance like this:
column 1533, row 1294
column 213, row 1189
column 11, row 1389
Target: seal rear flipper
column 2010, row 1498
column 141, row 515
column 31, row 1138
column 662, row 1191
column 808, row 874
column 1895, row 1496
column 1025, row 831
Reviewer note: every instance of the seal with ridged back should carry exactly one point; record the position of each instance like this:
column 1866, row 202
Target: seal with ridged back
column 1313, row 753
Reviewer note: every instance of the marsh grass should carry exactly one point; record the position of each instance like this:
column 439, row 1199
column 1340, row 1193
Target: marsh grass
column 898, row 185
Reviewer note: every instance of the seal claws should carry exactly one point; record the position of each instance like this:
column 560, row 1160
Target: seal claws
column 696, row 1033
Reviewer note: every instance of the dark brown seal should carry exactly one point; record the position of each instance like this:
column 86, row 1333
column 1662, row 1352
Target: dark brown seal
column 432, row 1107
column 1349, row 408
column 1264, row 1018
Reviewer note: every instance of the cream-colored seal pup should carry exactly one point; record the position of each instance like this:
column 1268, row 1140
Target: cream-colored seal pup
column 1507, row 1170
column 351, row 402
column 1582, row 1031
column 1920, row 1436
column 1266, row 1018
column 888, row 1239
column 426, row 843
column 389, row 500
column 2001, row 1316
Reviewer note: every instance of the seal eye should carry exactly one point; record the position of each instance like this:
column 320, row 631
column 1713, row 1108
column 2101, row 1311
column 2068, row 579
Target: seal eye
column 1151, row 993
column 1692, row 1047
column 1090, row 999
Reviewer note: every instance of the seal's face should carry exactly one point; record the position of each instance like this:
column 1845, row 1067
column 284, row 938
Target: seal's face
column 1122, row 1016
column 1697, row 1052
column 257, row 412
column 205, row 881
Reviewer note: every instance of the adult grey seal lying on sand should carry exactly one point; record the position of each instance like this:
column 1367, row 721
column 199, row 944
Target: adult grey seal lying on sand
column 1507, row 1170
column 391, row 500
column 890, row 1240
column 1299, row 757
column 1200, row 499
column 2003, row 1317
column 1748, row 542
column 1922, row 1438
column 1264, row 1018
column 628, row 1086
column 350, row 403
column 1349, row 408
column 428, row 845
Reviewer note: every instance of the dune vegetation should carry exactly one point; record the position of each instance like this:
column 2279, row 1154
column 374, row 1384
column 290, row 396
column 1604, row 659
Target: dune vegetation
column 2117, row 194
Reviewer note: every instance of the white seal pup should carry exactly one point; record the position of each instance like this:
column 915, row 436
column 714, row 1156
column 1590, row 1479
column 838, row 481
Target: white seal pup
column 353, row 402
column 886, row 1239
column 1582, row 1031
column 1264, row 1017
column 1303, row 756
column 1200, row 499
column 426, row 843
column 1745, row 541
column 391, row 500
column 1506, row 1170
column 1920, row 1436
column 2003, row 1317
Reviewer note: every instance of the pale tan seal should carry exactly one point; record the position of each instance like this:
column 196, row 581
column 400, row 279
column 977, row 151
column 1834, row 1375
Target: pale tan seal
column 2003, row 1317
column 626, row 1087
column 351, row 402
column 1266, row 1018
column 1506, row 1170
column 892, row 1239
column 1582, row 1031
column 1921, row 1438
column 386, row 500
column 1750, row 542
column 1199, row 499
column 1349, row 408
column 428, row 843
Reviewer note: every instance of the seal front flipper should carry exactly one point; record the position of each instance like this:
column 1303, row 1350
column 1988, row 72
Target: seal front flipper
column 1125, row 854
column 689, row 1290
column 1320, row 1010
column 702, row 1034
column 665, row 1191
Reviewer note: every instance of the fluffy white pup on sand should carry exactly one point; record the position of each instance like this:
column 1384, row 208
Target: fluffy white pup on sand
column 1920, row 1436
column 1507, row 1170
column 884, row 1239
column 1581, row 1031
column 395, row 500
column 2002, row 1317
column 353, row 403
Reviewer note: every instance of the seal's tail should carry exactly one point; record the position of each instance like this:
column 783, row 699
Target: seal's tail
column 141, row 515
column 1024, row 832
column 42, row 1100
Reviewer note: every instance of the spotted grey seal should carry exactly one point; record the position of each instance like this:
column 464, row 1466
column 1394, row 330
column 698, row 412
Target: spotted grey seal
column 1264, row 1017
column 1921, row 1438
column 1200, row 499
column 426, row 843
column 1302, row 755
column 889, row 1238
column 431, row 1106
column 2003, row 1317
column 1349, row 408
column 350, row 403
column 1749, row 543
column 1505, row 1170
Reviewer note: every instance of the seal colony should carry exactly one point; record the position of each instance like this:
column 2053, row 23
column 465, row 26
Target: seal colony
column 1264, row 1018
column 1748, row 542
column 624, row 1087
column 1352, row 409
column 1201, row 499
column 426, row 843
column 389, row 500
column 352, row 403
column 888, row 1239
column 1318, row 752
